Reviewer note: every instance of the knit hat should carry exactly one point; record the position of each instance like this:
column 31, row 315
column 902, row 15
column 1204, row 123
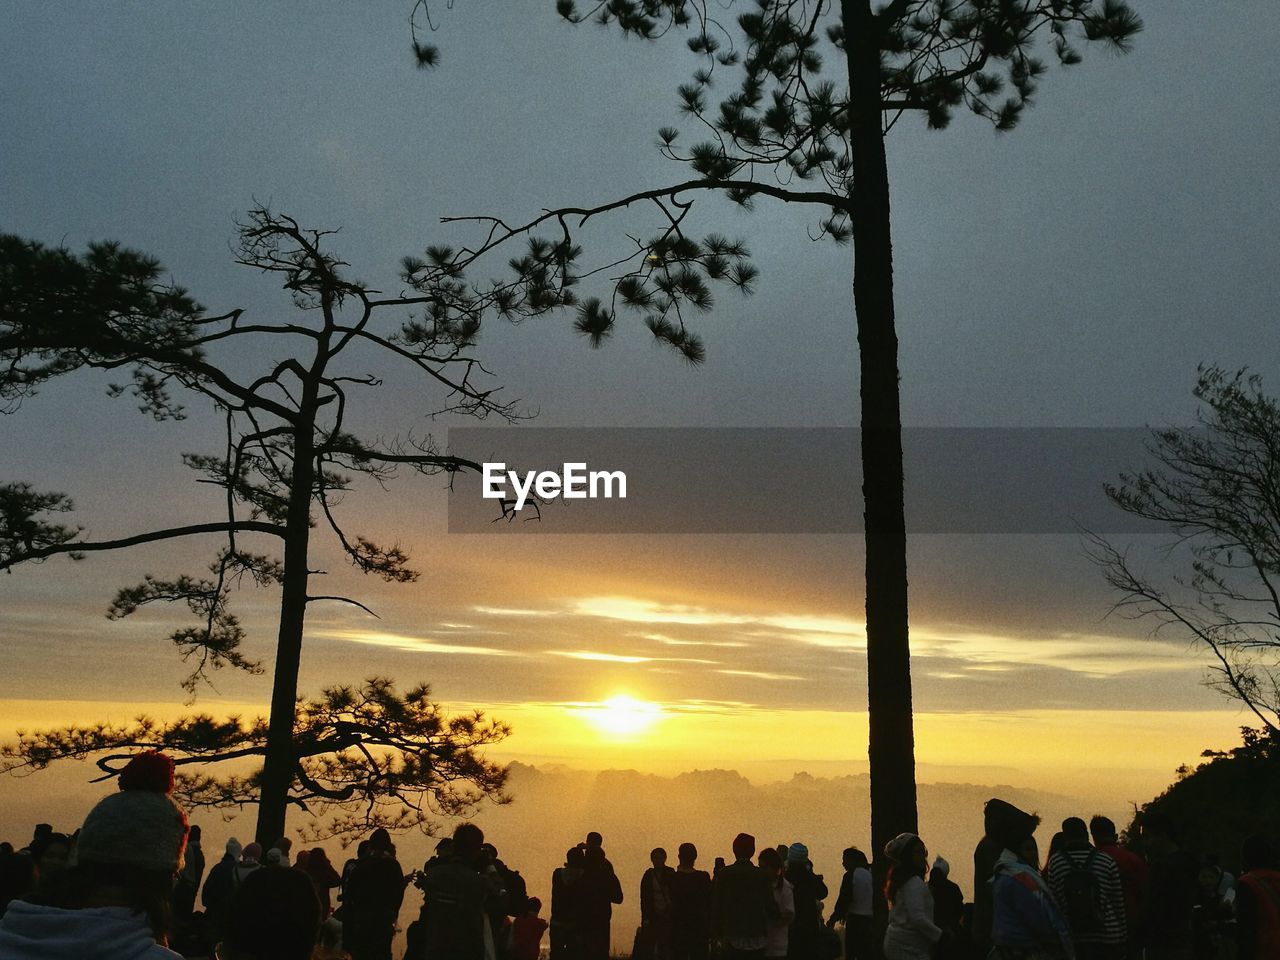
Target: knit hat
column 275, row 857
column 940, row 867
column 140, row 826
column 797, row 853
column 234, row 848
column 252, row 853
column 897, row 848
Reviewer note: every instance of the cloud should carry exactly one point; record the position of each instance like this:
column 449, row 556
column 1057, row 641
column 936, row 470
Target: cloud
column 646, row 611
column 673, row 642
column 397, row 641
column 513, row 612
column 597, row 655
column 622, row 658
column 759, row 675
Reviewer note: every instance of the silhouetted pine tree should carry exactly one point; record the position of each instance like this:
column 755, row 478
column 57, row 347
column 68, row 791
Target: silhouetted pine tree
column 792, row 99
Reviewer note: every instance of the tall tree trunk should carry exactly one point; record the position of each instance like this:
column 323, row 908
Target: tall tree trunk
column 279, row 764
column 891, row 748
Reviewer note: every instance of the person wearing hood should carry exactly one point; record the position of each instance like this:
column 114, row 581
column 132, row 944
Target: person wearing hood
column 1005, row 828
column 1026, row 921
column 113, row 903
column 948, row 910
column 911, row 933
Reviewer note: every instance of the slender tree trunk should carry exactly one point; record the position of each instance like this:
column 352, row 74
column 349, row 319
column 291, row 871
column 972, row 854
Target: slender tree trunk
column 278, row 765
column 892, row 743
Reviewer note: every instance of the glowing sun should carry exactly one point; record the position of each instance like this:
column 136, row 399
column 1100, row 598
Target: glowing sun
column 624, row 716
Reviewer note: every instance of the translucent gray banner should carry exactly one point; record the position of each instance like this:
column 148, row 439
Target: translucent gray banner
column 789, row 481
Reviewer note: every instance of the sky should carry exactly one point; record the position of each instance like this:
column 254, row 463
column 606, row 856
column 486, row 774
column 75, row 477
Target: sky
column 1072, row 273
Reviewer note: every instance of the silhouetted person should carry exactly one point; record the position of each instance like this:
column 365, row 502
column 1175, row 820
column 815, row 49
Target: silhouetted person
column 220, row 887
column 527, row 931
column 1258, row 900
column 274, row 915
column 1213, row 923
column 948, row 911
column 853, row 906
column 600, row 891
column 458, row 890
column 373, row 893
column 653, row 939
column 250, row 861
column 1133, row 880
column 1086, row 884
column 187, row 885
column 911, row 933
column 808, row 891
column 741, row 902
column 323, row 876
column 362, row 851
column 115, row 900
column 17, row 877
column 512, row 901
column 567, row 906
column 55, row 854
column 690, row 906
column 783, row 914
column 39, row 837
column 1026, row 921
column 1171, row 893
column 1005, row 828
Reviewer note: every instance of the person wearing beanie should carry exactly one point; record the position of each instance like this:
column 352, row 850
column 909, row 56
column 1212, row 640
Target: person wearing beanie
column 114, row 902
column 250, row 860
column 911, row 933
column 948, row 910
column 808, row 891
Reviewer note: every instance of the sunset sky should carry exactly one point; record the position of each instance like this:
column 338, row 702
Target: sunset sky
column 1071, row 273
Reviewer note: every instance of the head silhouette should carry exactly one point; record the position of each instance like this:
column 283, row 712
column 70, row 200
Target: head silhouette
column 467, row 841
column 275, row 915
column 1103, row 830
column 744, row 846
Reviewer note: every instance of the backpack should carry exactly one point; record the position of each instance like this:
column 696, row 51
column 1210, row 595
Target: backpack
column 1080, row 896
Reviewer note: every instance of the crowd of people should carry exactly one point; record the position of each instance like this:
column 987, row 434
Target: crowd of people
column 131, row 884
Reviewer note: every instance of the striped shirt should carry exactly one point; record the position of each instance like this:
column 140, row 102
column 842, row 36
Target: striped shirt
column 1107, row 889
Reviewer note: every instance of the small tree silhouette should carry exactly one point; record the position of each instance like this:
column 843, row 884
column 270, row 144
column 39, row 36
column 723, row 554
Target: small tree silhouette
column 287, row 460
column 1218, row 491
column 362, row 757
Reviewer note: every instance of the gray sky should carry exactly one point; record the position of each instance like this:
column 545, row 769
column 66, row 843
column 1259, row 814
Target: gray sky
column 1071, row 273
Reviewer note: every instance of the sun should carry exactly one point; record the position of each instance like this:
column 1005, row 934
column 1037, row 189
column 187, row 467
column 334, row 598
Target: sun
column 622, row 715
